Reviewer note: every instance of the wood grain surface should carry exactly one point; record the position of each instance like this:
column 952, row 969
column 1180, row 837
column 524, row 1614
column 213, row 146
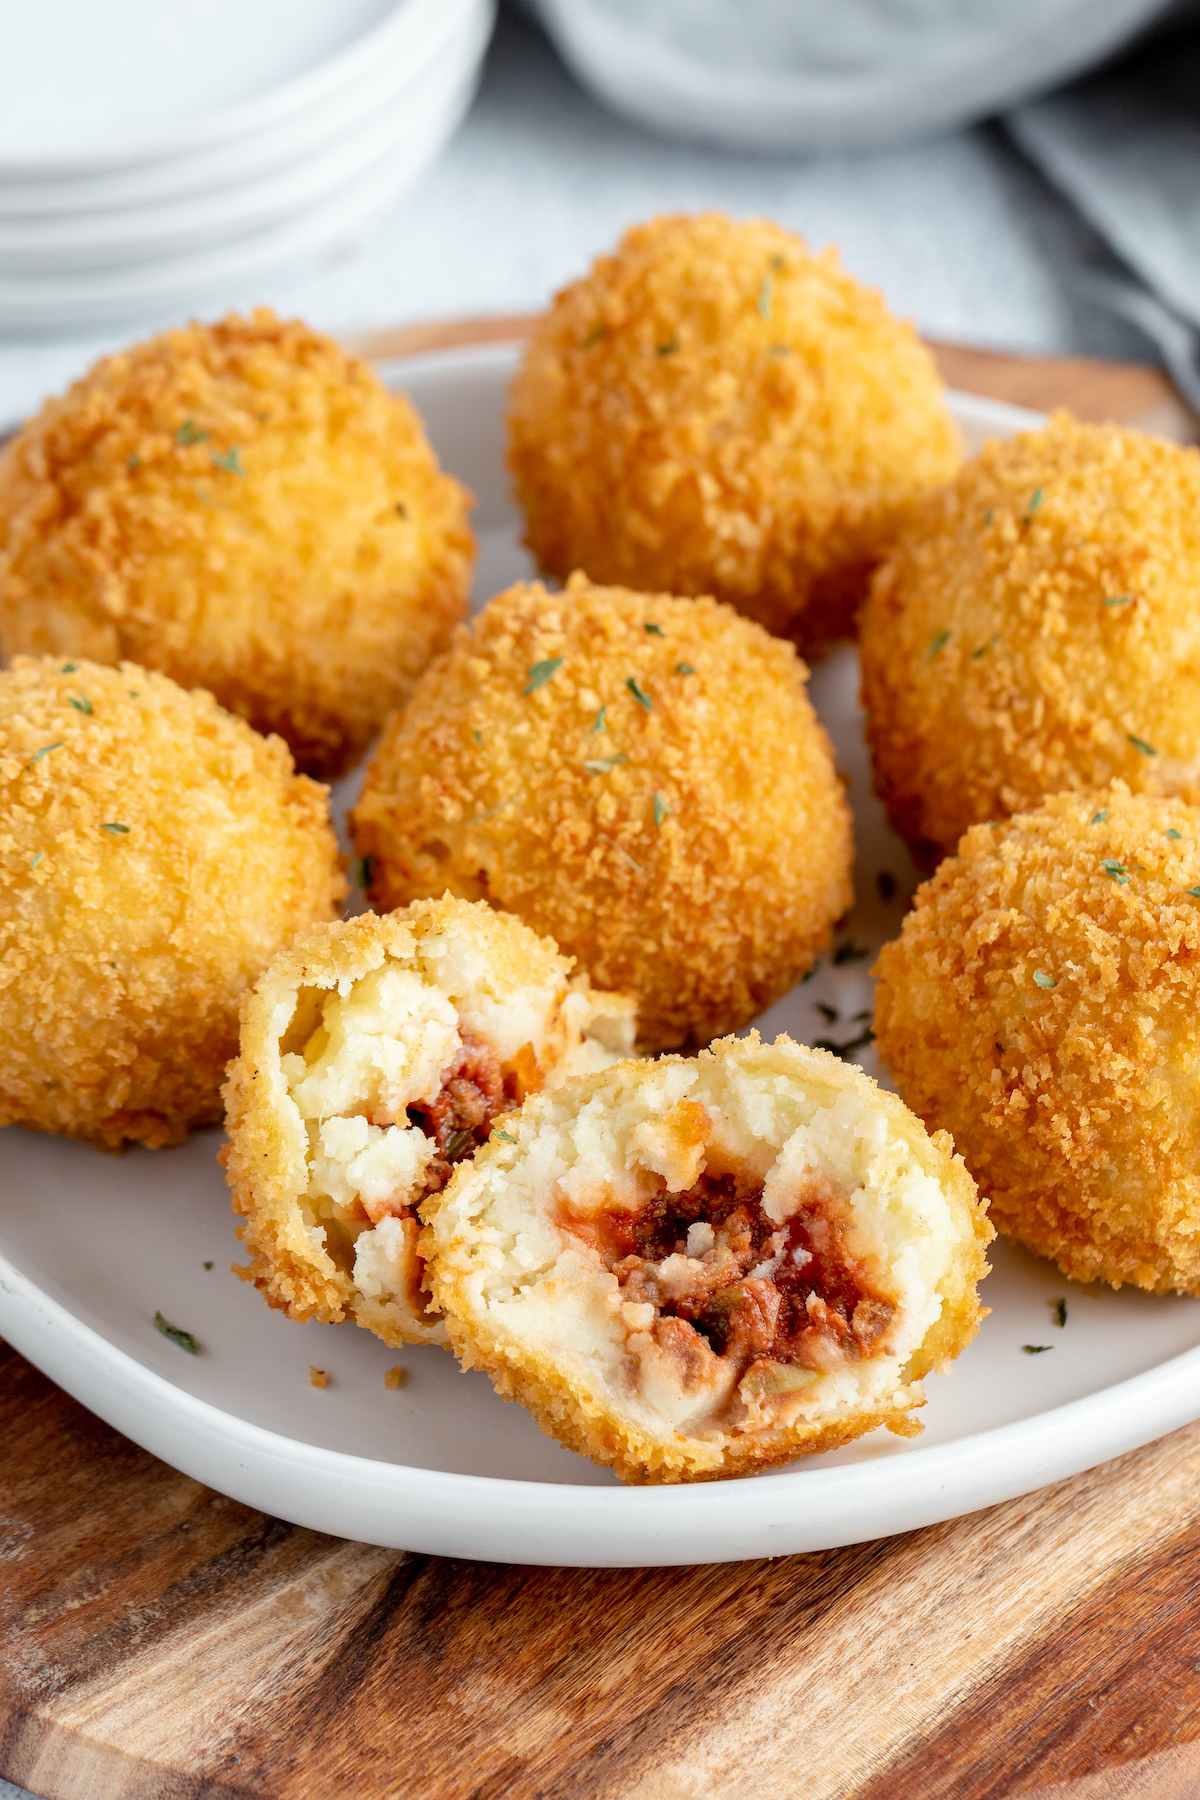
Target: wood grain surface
column 158, row 1640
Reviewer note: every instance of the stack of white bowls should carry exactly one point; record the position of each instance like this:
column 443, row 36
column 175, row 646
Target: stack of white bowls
column 155, row 150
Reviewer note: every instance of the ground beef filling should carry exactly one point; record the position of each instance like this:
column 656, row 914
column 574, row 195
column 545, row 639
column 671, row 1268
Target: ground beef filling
column 474, row 1093
column 790, row 1293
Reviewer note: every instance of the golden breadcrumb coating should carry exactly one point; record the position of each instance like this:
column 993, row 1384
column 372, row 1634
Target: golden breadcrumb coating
column 1043, row 1004
column 377, row 1054
column 155, row 853
column 716, row 409
column 242, row 506
column 1036, row 630
column 641, row 778
column 691, row 1269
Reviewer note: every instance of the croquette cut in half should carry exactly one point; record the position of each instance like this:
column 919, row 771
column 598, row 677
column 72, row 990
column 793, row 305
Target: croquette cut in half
column 155, row 854
column 245, row 507
column 1036, row 630
column 699, row 1268
column 716, row 409
column 377, row 1055
column 639, row 777
column 1042, row 1003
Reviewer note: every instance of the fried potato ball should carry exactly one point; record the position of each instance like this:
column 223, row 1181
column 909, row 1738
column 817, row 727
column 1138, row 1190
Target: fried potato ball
column 1042, row 1003
column 377, row 1055
column 155, row 853
column 694, row 1269
column 1036, row 630
column 641, row 778
column 244, row 507
column 716, row 409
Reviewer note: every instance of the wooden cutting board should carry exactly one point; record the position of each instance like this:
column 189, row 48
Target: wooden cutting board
column 158, row 1640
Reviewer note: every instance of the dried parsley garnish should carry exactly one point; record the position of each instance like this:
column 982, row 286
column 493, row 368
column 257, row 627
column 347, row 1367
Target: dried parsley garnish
column 83, row 704
column 177, row 1335
column 67, row 669
column 937, row 643
column 1060, row 1311
column 849, row 952
column 133, row 463
column 1043, row 980
column 830, row 1014
column 112, row 825
column 1194, row 892
column 765, row 292
column 621, row 851
column 505, row 1138
column 1172, row 833
column 684, row 669
column 655, row 630
column 1036, row 1349
column 541, row 673
column 1035, row 501
column 1141, row 744
column 643, row 699
column 36, row 858
column 44, row 751
column 604, row 765
column 1119, row 600
column 229, row 462
column 1100, row 817
column 600, row 722
column 661, row 811
column 190, row 433
column 667, row 349
column 208, row 1265
column 1116, row 870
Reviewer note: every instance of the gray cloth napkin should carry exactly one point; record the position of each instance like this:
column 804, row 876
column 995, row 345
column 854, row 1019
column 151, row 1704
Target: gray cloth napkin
column 1124, row 147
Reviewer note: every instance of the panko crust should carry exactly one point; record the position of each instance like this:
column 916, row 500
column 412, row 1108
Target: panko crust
column 155, row 852
column 693, row 850
column 245, row 507
column 266, row 1149
column 1035, row 631
column 1043, row 1004
column 715, row 409
column 579, row 1414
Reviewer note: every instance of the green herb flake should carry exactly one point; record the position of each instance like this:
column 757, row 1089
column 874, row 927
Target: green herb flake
column 667, row 349
column 765, row 292
column 1172, row 833
column 112, row 825
column 600, row 722
column 177, row 1335
column 82, row 704
column 1194, row 892
column 655, row 630
column 1043, row 980
column 208, row 1265
column 541, row 673
column 604, row 765
column 1119, row 600
column 505, row 1138
column 636, row 867
column 44, row 751
column 67, row 669
column 1116, row 871
column 1036, row 1349
column 1100, row 817
column 989, row 515
column 937, row 643
column 1141, row 745
column 594, row 336
column 830, row 1014
column 189, row 433
column 1035, row 500
column 848, row 953
column 643, row 699
column 230, row 462
column 133, row 463
column 661, row 811
column 133, row 693
column 36, row 858
column 478, row 736
column 845, row 1051
column 684, row 669
column 1059, row 1307
column 362, row 871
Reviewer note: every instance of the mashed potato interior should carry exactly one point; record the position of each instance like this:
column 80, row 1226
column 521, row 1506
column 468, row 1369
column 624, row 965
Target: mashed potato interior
column 722, row 1250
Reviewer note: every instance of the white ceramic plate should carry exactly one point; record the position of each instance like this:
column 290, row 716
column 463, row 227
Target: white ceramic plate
column 92, row 1246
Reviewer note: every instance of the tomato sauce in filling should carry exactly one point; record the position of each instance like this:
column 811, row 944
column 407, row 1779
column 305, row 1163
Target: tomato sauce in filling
column 791, row 1293
column 459, row 1118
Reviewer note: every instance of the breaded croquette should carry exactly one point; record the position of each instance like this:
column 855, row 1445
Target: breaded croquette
column 1043, row 1004
column 245, row 507
column 716, row 409
column 693, row 1269
column 377, row 1055
column 155, row 853
column 1036, row 630
column 641, row 778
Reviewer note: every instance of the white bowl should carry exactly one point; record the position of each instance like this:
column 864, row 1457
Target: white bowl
column 92, row 1246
